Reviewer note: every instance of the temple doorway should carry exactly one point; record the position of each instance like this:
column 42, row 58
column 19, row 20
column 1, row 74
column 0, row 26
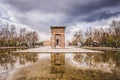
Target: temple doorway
column 57, row 38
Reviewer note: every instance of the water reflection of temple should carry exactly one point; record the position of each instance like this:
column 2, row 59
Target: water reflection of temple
column 57, row 62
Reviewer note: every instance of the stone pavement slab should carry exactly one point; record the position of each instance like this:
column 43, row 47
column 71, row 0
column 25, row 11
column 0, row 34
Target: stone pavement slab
column 67, row 49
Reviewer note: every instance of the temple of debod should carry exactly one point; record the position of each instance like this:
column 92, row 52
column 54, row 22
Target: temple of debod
column 58, row 44
column 57, row 37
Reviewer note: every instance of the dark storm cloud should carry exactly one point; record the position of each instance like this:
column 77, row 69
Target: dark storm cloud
column 92, row 5
column 96, row 16
column 91, row 9
column 100, row 16
column 41, row 5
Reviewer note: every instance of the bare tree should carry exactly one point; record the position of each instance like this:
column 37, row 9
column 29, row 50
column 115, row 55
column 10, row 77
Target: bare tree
column 12, row 35
column 22, row 35
column 5, row 34
column 97, row 34
column 89, row 36
column 31, row 38
column 115, row 29
column 35, row 37
column 78, row 37
column 28, row 37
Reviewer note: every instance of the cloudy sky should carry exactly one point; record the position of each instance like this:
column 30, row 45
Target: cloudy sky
column 39, row 15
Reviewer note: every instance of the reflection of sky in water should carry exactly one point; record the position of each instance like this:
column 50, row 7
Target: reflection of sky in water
column 71, row 60
column 16, row 65
column 9, row 62
column 87, row 61
column 43, row 55
column 68, row 57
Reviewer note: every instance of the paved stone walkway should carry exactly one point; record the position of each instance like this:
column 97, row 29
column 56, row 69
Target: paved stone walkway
column 68, row 49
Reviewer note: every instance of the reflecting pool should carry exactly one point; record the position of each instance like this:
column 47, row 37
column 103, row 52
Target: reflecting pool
column 59, row 66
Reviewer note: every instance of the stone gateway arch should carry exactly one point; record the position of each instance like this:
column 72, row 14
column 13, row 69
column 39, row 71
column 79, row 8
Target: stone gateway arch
column 58, row 37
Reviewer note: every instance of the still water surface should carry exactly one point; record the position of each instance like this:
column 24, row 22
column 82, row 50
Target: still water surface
column 70, row 66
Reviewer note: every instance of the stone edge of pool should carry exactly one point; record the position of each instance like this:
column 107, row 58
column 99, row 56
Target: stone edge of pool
column 67, row 49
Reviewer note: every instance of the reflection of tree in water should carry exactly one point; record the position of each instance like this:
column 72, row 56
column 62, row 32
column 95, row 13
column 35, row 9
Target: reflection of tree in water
column 26, row 57
column 8, row 59
column 111, row 59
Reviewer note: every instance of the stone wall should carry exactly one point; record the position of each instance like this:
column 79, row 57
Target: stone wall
column 47, row 43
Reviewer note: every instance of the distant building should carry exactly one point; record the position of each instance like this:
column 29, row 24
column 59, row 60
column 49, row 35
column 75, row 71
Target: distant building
column 46, row 43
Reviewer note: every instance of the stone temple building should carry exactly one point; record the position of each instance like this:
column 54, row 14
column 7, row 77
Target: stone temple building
column 57, row 37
